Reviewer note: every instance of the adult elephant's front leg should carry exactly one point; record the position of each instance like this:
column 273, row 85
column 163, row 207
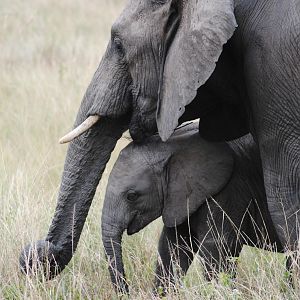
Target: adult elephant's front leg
column 278, row 138
column 274, row 90
column 280, row 157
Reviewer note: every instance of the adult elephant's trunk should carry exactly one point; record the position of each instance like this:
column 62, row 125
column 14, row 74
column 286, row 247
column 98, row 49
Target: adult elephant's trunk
column 86, row 159
column 108, row 97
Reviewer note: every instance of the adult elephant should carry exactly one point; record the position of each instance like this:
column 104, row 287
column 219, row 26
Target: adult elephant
column 160, row 69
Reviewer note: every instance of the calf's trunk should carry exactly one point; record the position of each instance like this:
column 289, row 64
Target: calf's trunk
column 113, row 225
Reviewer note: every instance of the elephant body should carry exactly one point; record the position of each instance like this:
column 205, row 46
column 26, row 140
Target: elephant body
column 233, row 63
column 214, row 207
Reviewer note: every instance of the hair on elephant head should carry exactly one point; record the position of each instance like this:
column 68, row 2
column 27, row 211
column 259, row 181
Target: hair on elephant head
column 175, row 180
column 168, row 62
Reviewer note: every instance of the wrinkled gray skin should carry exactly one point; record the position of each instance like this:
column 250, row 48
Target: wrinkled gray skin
column 154, row 179
column 159, row 70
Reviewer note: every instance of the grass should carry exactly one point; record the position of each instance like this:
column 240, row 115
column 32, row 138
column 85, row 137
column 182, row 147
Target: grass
column 49, row 51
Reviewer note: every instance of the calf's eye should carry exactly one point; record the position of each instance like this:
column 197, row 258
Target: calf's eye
column 132, row 196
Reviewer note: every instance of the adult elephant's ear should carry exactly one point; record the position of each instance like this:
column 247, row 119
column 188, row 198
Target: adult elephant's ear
column 198, row 171
column 205, row 26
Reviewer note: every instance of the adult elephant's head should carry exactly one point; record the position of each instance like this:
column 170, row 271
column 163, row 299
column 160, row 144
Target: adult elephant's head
column 160, row 53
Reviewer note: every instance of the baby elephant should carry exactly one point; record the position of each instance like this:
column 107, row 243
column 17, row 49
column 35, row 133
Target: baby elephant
column 210, row 195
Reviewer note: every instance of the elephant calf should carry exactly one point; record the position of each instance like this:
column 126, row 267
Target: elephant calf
column 210, row 195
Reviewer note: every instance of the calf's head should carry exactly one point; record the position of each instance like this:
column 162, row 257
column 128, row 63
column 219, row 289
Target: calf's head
column 155, row 179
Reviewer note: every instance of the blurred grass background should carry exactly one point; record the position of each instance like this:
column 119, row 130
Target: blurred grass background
column 48, row 53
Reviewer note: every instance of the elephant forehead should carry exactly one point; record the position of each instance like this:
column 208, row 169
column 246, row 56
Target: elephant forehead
column 130, row 175
column 131, row 162
column 132, row 167
column 136, row 14
column 133, row 11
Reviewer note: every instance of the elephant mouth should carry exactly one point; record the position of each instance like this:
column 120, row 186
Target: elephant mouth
column 140, row 220
column 141, row 128
column 135, row 224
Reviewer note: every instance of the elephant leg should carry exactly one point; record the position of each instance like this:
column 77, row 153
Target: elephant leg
column 273, row 88
column 282, row 188
column 212, row 259
column 289, row 268
column 176, row 252
column 217, row 258
column 278, row 139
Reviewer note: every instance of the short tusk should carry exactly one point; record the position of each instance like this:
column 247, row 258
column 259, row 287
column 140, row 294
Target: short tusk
column 78, row 131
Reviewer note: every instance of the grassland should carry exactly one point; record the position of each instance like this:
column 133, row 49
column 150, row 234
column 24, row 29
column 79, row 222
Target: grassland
column 48, row 53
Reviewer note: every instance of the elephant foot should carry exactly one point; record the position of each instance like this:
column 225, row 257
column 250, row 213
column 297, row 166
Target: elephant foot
column 42, row 257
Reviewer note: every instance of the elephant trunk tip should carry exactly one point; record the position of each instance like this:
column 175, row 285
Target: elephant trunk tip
column 41, row 257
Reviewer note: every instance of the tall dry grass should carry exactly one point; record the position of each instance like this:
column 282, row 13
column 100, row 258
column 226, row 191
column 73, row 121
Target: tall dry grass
column 48, row 53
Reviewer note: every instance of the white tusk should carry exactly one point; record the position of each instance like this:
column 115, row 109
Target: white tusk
column 126, row 135
column 79, row 130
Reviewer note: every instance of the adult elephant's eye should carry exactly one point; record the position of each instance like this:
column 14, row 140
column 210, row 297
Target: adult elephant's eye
column 132, row 196
column 118, row 45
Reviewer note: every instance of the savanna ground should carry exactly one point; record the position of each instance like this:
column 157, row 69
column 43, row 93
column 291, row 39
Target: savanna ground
column 48, row 53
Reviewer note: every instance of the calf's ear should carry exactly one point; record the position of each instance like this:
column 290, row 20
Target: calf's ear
column 196, row 172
